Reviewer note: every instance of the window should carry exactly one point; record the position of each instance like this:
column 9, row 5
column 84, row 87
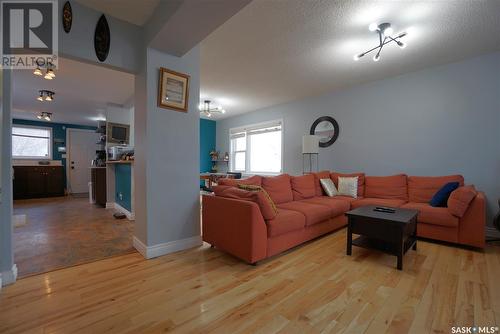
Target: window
column 257, row 148
column 31, row 142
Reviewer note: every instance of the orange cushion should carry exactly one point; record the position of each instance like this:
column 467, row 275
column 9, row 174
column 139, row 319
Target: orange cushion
column 459, row 200
column 267, row 208
column 284, row 222
column 433, row 215
column 422, row 188
column 317, row 185
column 279, row 188
column 338, row 207
column 255, row 180
column 314, row 213
column 303, row 186
column 390, row 187
column 392, row 203
column 361, row 181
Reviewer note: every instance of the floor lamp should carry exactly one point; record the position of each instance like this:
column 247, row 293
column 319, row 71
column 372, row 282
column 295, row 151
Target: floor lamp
column 310, row 149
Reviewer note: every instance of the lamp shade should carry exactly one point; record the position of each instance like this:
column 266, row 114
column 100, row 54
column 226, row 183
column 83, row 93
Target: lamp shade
column 310, row 144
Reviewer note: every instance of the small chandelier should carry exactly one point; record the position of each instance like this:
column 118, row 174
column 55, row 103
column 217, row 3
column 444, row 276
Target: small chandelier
column 49, row 74
column 384, row 31
column 45, row 95
column 44, row 116
column 207, row 110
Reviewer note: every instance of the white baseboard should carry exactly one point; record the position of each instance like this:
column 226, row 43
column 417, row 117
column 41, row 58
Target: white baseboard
column 150, row 252
column 116, row 206
column 9, row 276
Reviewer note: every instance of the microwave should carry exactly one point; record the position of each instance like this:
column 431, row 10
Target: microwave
column 118, row 133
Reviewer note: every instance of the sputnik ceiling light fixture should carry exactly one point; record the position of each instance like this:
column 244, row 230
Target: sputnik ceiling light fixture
column 384, row 31
column 207, row 110
column 49, row 75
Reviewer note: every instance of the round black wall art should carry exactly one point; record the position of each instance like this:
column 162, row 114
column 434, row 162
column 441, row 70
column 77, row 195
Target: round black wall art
column 102, row 39
column 327, row 129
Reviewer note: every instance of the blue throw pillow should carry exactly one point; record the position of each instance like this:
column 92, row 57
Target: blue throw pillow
column 440, row 198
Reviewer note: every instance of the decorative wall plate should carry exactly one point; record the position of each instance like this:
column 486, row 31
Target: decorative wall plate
column 102, row 38
column 67, row 16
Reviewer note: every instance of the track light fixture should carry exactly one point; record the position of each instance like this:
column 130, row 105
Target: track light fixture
column 207, row 110
column 47, row 116
column 49, row 74
column 45, row 95
column 384, row 31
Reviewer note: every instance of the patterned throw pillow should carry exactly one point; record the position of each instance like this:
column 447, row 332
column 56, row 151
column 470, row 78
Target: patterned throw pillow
column 329, row 187
column 348, row 186
column 250, row 187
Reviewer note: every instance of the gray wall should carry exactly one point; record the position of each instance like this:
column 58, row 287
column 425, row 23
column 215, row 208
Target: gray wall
column 438, row 121
column 167, row 144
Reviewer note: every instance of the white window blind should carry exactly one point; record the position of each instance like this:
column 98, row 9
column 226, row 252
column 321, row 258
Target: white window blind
column 31, row 142
column 257, row 148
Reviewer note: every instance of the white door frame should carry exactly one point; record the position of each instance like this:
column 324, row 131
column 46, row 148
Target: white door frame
column 68, row 153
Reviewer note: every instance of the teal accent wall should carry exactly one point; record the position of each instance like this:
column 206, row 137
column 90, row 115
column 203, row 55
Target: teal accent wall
column 123, row 185
column 58, row 136
column 207, row 143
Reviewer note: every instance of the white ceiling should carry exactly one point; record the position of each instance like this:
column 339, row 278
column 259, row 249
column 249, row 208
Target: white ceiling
column 82, row 92
column 136, row 12
column 273, row 52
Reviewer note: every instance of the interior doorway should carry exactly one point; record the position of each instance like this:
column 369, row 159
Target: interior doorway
column 57, row 222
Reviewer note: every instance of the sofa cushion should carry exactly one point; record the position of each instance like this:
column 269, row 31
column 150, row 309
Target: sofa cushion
column 392, row 203
column 267, row 207
column 459, row 200
column 422, row 188
column 361, row 180
column 284, row 222
column 317, row 186
column 314, row 213
column 431, row 215
column 303, row 187
column 255, row 180
column 389, row 187
column 279, row 188
column 338, row 207
column 440, row 198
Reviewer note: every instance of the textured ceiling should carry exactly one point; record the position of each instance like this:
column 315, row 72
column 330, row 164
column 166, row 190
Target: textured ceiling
column 133, row 11
column 83, row 92
column 273, row 52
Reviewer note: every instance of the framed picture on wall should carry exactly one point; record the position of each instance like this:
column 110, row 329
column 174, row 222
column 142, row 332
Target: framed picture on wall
column 173, row 90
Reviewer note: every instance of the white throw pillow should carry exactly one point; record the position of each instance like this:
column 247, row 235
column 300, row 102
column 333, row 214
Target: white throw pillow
column 329, row 187
column 348, row 186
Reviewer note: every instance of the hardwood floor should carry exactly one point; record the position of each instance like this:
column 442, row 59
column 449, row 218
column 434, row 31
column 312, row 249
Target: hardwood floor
column 315, row 288
column 65, row 231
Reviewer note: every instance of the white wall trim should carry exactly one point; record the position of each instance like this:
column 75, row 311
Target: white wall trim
column 116, row 206
column 9, row 276
column 150, row 252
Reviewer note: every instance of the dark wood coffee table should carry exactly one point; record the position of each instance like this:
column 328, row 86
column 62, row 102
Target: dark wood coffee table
column 392, row 233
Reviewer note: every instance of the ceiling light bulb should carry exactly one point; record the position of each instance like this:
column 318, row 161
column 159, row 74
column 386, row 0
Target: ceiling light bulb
column 39, row 116
column 388, row 31
column 51, row 73
column 48, row 76
column 48, row 97
column 37, row 71
column 223, row 111
column 376, row 57
column 40, row 98
column 47, row 118
column 209, row 114
column 356, row 57
column 373, row 27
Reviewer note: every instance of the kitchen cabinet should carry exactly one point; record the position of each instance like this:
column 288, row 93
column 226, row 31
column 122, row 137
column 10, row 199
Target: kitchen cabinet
column 38, row 181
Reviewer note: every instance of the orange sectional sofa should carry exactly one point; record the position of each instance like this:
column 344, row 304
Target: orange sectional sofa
column 304, row 212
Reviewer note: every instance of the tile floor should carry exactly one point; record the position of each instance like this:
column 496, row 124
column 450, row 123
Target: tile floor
column 66, row 231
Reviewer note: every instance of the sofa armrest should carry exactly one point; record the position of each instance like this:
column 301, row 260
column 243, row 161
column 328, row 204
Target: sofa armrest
column 235, row 226
column 471, row 229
